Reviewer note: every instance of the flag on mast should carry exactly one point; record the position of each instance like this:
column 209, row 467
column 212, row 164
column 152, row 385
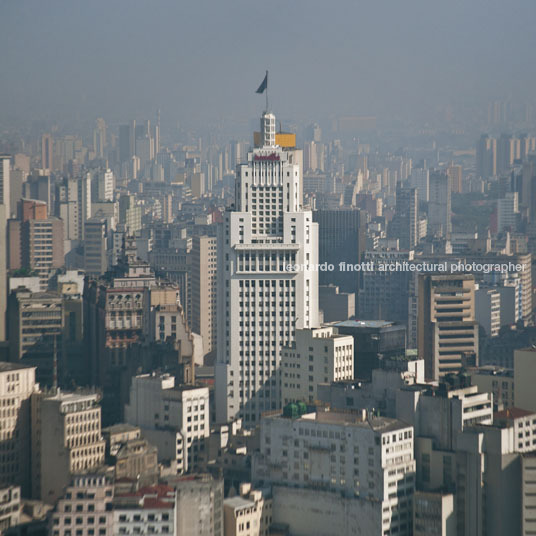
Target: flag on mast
column 264, row 85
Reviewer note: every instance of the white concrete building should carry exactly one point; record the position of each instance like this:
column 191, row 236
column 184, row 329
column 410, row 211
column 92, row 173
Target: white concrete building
column 508, row 212
column 105, row 185
column 150, row 510
column 156, row 403
column 317, row 355
column 488, row 310
column 333, row 473
column 268, row 283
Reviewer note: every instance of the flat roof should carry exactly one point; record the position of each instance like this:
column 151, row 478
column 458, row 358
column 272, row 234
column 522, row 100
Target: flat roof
column 6, row 366
column 120, row 428
column 238, row 502
column 354, row 418
column 364, row 324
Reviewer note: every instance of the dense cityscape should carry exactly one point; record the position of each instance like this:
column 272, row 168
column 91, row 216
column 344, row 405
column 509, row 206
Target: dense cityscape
column 276, row 321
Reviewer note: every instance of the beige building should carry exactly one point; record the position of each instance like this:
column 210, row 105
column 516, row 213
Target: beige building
column 17, row 383
column 132, row 456
column 525, row 378
column 84, row 508
column 204, row 290
column 318, row 355
column 247, row 514
column 66, row 440
column 446, row 329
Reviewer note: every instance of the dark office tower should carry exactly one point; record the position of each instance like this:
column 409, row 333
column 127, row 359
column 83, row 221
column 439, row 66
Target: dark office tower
column 404, row 223
column 127, row 142
column 486, row 157
column 439, row 206
column 342, row 238
column 46, row 151
column 375, row 343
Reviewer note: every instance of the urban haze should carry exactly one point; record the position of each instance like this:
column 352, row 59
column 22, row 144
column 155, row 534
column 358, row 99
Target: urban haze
column 266, row 268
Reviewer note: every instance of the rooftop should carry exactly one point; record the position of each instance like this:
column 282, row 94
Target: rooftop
column 120, row 428
column 364, row 324
column 8, row 367
column 353, row 418
column 511, row 413
column 238, row 502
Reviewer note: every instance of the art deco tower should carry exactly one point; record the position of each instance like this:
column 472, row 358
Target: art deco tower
column 261, row 301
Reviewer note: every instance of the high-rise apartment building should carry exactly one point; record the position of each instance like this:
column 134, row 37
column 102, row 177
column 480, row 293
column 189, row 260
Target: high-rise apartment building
column 454, row 173
column 5, row 182
column 204, row 270
column 268, row 283
column 66, row 440
column 47, row 152
column 420, row 179
column 486, row 157
column 99, row 138
column 35, row 241
column 508, row 215
column 439, row 206
column 404, row 223
column 506, row 153
column 447, row 331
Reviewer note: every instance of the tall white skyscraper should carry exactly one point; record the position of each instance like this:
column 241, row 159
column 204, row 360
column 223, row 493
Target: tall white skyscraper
column 268, row 285
column 5, row 165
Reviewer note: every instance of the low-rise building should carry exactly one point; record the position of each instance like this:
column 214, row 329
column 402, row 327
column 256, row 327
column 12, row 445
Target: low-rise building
column 248, row 514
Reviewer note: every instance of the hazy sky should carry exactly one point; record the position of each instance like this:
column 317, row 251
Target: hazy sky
column 203, row 59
